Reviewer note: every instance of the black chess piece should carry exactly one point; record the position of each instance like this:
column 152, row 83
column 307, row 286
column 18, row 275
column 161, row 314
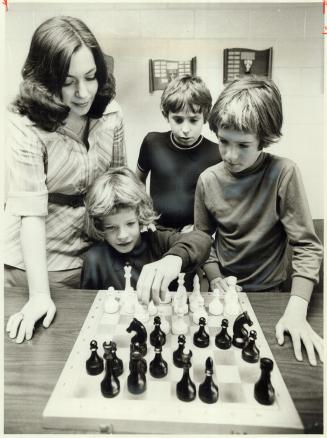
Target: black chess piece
column 143, row 364
column 264, row 392
column 136, row 381
column 240, row 334
column 141, row 335
column 177, row 355
column 157, row 334
column 185, row 388
column 222, row 339
column 250, row 352
column 158, row 366
column 110, row 385
column 94, row 364
column 208, row 390
column 201, row 338
column 118, row 366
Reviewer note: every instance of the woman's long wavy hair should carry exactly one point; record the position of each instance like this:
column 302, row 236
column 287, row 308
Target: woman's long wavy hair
column 46, row 68
column 116, row 189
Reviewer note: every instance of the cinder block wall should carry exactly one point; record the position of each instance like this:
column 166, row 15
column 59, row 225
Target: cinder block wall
column 135, row 32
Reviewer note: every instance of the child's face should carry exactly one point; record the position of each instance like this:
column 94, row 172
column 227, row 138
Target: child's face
column 239, row 150
column 122, row 230
column 186, row 126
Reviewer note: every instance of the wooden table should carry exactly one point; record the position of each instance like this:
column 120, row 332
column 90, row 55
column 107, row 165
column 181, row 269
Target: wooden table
column 32, row 369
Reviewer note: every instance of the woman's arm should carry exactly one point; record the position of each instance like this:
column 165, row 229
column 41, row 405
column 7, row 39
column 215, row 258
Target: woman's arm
column 33, row 241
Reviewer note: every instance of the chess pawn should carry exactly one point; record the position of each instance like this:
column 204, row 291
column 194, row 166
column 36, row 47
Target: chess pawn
column 264, row 392
column 94, row 365
column 136, row 381
column 165, row 326
column 110, row 304
column 208, row 390
column 222, row 339
column 185, row 388
column 110, row 385
column 216, row 307
column 201, row 338
column 118, row 366
column 158, row 366
column 250, row 352
column 177, row 355
column 240, row 333
column 179, row 326
column 157, row 334
column 198, row 313
column 143, row 365
column 141, row 313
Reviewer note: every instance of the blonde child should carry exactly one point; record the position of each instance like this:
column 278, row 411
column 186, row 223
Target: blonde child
column 119, row 217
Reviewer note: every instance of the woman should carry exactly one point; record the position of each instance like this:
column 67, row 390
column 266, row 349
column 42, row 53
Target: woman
column 65, row 130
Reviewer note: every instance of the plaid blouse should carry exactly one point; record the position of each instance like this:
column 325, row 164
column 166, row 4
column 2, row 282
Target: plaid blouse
column 41, row 162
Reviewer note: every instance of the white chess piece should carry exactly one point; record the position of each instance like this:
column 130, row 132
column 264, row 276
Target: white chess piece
column 141, row 313
column 196, row 299
column 232, row 306
column 180, row 296
column 165, row 326
column 110, row 304
column 127, row 275
column 181, row 293
column 152, row 308
column 198, row 313
column 179, row 326
column 216, row 306
column 129, row 302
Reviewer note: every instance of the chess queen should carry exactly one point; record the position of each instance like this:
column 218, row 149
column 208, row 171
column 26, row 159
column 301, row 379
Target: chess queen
column 119, row 218
column 64, row 130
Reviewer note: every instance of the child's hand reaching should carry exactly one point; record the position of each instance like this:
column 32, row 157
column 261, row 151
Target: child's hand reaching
column 21, row 324
column 222, row 284
column 294, row 322
column 156, row 277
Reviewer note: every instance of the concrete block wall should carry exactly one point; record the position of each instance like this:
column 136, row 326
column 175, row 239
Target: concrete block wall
column 135, row 32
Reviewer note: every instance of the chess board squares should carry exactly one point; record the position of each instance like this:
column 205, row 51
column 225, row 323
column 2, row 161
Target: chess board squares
column 231, row 392
column 157, row 390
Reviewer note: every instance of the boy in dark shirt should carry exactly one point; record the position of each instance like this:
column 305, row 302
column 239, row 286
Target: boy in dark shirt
column 177, row 157
column 119, row 216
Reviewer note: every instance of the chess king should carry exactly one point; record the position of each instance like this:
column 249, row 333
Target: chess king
column 119, row 217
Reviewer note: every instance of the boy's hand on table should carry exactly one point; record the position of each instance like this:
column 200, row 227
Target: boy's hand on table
column 294, row 321
column 222, row 284
column 156, row 277
column 21, row 325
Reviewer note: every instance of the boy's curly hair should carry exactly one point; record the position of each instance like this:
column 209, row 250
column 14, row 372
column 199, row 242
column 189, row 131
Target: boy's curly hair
column 188, row 92
column 251, row 105
column 46, row 68
column 116, row 189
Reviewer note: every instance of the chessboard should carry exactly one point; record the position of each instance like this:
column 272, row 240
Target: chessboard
column 77, row 403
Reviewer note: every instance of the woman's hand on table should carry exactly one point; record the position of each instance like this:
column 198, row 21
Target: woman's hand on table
column 21, row 324
column 294, row 322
